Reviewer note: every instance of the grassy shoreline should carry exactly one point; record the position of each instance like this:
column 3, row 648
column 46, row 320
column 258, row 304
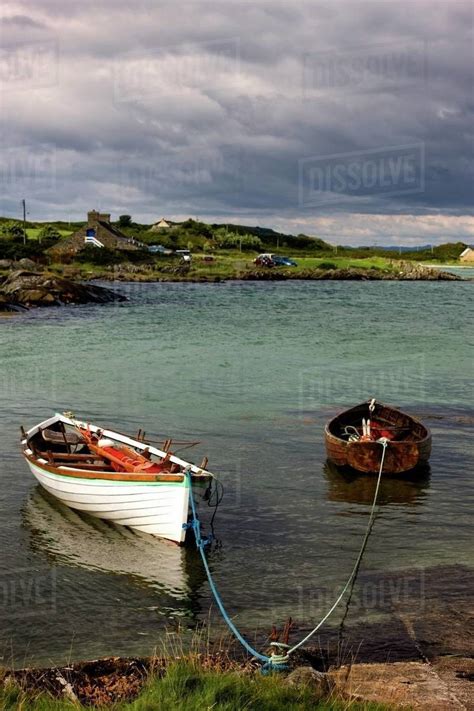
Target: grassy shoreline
column 184, row 684
column 231, row 268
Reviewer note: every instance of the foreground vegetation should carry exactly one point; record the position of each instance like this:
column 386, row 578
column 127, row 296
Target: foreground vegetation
column 187, row 686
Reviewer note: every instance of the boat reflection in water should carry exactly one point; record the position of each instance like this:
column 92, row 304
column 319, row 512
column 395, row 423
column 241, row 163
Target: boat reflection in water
column 77, row 539
column 345, row 484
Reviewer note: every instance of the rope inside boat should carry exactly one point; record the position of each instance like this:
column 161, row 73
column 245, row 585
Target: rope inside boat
column 278, row 662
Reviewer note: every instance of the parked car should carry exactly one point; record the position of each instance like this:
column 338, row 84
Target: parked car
column 264, row 260
column 185, row 255
column 280, row 261
column 274, row 260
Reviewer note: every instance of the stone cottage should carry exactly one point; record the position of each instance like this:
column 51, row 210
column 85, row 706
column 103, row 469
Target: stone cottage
column 98, row 232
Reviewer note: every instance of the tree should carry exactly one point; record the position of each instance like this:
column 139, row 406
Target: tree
column 125, row 221
column 13, row 230
column 233, row 240
column 48, row 233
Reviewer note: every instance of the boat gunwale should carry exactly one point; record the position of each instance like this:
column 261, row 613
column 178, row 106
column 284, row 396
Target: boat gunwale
column 104, row 476
column 415, row 420
column 197, row 473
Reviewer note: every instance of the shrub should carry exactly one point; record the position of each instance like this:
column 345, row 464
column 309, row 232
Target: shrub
column 49, row 234
column 13, row 230
column 197, row 228
column 125, row 221
column 233, row 240
column 137, row 256
column 327, row 265
column 15, row 248
column 100, row 256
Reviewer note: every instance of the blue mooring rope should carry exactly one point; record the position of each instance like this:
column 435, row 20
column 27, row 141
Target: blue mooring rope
column 201, row 543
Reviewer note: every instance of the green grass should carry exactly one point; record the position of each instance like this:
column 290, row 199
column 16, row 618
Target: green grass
column 343, row 262
column 189, row 687
column 230, row 264
column 227, row 265
column 33, row 232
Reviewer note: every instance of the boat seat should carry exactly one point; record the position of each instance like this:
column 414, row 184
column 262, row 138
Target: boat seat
column 60, row 437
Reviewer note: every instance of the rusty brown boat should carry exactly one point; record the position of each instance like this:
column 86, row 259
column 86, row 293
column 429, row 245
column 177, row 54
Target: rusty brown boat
column 353, row 439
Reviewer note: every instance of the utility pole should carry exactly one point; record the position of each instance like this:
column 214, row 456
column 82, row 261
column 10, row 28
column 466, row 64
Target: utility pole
column 23, row 202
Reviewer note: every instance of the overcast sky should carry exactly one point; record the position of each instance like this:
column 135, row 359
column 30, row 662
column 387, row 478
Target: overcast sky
column 347, row 120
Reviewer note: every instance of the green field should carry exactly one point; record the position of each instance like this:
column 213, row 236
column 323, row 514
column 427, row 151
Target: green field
column 33, row 232
column 342, row 262
column 231, row 264
column 224, row 265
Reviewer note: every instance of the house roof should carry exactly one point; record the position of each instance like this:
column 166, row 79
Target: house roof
column 466, row 251
column 162, row 222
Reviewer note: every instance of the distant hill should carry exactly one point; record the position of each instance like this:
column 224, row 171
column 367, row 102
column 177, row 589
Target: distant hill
column 401, row 248
column 278, row 239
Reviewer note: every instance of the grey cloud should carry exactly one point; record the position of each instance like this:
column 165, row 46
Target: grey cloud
column 207, row 108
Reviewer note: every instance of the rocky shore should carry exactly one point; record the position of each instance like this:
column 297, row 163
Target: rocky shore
column 399, row 271
column 405, row 272
column 23, row 289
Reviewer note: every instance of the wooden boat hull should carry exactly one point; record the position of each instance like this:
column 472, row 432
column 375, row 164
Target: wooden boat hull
column 400, row 456
column 156, row 508
column 155, row 504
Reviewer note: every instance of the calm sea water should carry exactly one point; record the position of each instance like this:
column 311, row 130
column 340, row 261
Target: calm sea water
column 253, row 371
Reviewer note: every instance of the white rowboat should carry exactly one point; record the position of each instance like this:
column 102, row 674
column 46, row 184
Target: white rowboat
column 112, row 476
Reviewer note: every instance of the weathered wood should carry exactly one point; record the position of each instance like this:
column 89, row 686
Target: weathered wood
column 64, row 433
column 410, row 447
column 58, row 437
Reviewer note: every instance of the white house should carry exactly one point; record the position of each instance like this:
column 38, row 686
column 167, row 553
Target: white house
column 467, row 255
column 162, row 224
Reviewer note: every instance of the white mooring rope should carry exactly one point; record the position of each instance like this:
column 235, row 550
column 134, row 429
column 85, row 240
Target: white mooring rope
column 384, row 443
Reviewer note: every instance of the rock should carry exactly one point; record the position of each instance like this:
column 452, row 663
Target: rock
column 410, row 685
column 7, row 306
column 6, row 263
column 405, row 272
column 458, row 674
column 26, row 263
column 41, row 289
column 418, row 272
column 319, row 683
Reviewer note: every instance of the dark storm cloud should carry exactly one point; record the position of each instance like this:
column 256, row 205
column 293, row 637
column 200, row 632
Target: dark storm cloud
column 267, row 111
